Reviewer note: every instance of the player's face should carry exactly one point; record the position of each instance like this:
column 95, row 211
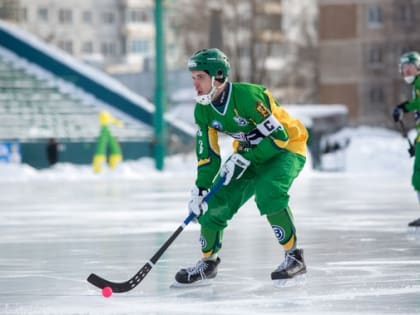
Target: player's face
column 201, row 82
column 408, row 70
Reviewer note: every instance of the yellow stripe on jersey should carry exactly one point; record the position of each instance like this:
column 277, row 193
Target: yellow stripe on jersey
column 213, row 144
column 296, row 131
column 203, row 162
column 213, row 140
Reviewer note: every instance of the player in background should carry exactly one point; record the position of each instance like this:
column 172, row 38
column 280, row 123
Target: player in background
column 410, row 70
column 107, row 142
column 269, row 152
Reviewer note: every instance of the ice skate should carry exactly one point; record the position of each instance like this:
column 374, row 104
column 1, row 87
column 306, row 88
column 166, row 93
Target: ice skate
column 291, row 271
column 415, row 223
column 199, row 275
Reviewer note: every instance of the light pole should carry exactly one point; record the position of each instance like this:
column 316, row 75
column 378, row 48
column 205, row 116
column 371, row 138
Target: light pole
column 160, row 88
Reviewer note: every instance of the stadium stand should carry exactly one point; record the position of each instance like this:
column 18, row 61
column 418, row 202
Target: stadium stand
column 45, row 94
column 31, row 109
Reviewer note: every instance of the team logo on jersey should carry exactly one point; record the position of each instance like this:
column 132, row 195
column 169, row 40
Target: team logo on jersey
column 240, row 121
column 262, row 109
column 278, row 232
column 217, row 125
column 203, row 241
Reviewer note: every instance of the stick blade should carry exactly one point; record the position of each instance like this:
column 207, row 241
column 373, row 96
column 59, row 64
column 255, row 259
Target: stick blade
column 120, row 287
column 117, row 287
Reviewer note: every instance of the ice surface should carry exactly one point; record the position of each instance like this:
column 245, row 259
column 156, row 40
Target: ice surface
column 59, row 225
column 361, row 257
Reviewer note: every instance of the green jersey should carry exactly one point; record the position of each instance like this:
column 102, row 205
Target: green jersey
column 414, row 103
column 252, row 117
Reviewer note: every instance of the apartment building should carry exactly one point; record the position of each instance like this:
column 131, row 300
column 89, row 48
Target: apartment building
column 272, row 42
column 113, row 34
column 360, row 42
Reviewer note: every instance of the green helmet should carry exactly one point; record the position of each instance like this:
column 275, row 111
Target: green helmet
column 211, row 60
column 412, row 57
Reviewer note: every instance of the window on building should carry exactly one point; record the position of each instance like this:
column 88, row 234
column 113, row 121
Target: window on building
column 23, row 14
column 43, row 14
column 134, row 16
column 405, row 13
column 65, row 16
column 87, row 17
column 147, row 16
column 140, row 46
column 244, row 52
column 269, row 22
column 139, row 15
column 66, row 45
column 375, row 16
column 108, row 17
column 375, row 57
column 87, row 47
column 108, row 49
column 377, row 95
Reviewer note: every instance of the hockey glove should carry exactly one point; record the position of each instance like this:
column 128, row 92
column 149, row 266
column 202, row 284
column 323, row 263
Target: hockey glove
column 196, row 204
column 398, row 112
column 234, row 168
column 412, row 150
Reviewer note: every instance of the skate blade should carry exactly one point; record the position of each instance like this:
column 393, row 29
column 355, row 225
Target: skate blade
column 412, row 228
column 197, row 284
column 291, row 282
column 413, row 233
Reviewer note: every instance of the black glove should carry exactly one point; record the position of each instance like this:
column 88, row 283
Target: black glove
column 412, row 150
column 398, row 112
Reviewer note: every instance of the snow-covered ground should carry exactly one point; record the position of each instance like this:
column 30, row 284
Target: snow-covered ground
column 371, row 150
column 60, row 224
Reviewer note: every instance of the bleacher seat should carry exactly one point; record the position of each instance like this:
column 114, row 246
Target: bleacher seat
column 35, row 108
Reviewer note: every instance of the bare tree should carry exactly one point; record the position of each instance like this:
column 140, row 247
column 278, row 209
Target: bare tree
column 253, row 33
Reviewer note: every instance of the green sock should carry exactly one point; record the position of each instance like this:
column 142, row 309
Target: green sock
column 284, row 228
column 211, row 242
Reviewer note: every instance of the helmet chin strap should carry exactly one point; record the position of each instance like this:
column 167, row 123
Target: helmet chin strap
column 409, row 79
column 207, row 98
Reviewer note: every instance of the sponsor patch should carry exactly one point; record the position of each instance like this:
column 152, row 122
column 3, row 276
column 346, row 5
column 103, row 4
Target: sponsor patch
column 262, row 109
column 203, row 241
column 217, row 125
column 240, row 121
column 278, row 232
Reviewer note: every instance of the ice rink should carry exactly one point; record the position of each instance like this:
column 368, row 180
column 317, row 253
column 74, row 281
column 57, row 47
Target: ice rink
column 361, row 257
